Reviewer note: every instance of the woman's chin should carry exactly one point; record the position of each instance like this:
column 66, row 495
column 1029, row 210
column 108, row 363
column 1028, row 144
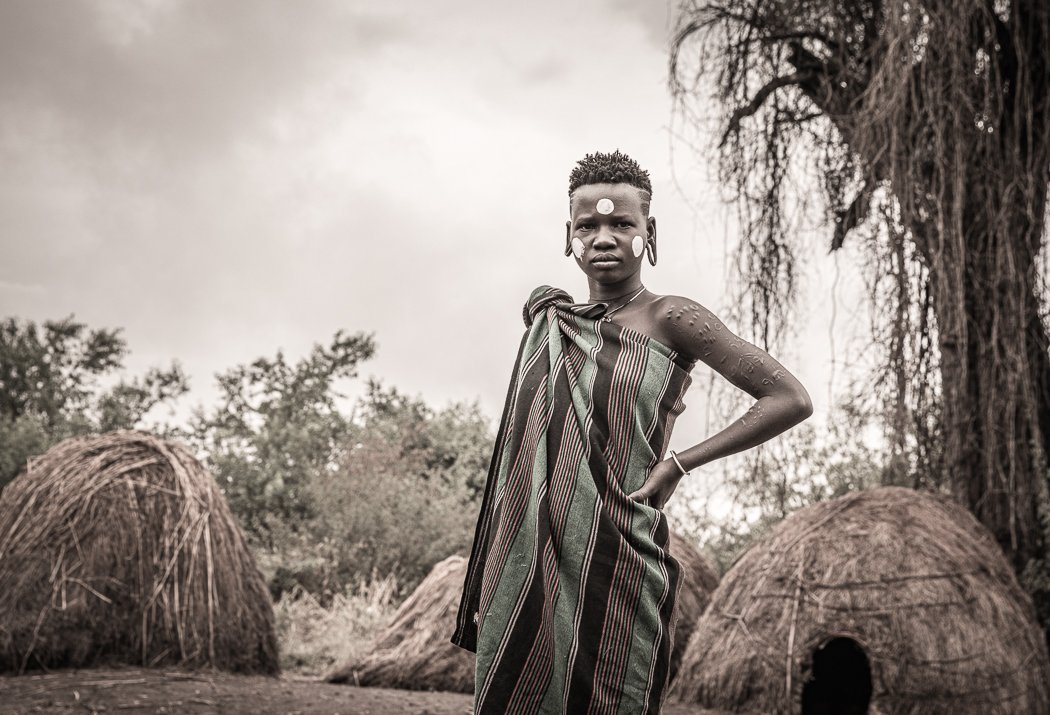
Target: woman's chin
column 616, row 272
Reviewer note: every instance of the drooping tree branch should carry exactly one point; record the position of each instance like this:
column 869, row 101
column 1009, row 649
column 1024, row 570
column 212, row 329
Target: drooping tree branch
column 733, row 126
column 853, row 216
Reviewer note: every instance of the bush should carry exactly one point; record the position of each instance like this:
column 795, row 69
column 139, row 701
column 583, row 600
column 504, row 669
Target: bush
column 330, row 499
column 315, row 636
column 380, row 515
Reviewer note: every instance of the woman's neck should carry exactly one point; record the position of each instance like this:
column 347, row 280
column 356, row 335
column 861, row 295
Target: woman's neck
column 605, row 292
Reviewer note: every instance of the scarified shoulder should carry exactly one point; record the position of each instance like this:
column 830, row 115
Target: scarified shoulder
column 704, row 337
column 689, row 327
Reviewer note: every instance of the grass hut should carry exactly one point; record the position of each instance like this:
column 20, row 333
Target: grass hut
column 886, row 601
column 120, row 548
column 699, row 580
column 414, row 651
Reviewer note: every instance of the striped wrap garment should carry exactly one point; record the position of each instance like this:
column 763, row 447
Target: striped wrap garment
column 570, row 593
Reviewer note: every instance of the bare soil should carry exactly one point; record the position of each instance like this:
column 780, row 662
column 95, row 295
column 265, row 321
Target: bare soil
column 136, row 690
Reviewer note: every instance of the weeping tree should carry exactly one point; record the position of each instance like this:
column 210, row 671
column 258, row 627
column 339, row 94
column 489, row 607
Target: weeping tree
column 927, row 125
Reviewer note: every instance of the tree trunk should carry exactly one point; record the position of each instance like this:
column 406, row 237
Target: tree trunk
column 995, row 371
column 980, row 238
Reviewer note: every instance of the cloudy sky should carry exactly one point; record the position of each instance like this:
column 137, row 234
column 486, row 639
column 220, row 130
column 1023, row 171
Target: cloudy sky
column 223, row 179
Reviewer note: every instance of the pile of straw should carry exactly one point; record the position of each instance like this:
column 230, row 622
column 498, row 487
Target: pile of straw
column 120, row 548
column 909, row 578
column 414, row 651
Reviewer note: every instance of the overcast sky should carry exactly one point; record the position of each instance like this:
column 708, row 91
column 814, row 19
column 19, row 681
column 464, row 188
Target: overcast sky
column 223, row 179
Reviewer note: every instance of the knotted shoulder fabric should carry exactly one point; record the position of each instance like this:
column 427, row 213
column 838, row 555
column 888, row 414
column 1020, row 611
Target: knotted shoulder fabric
column 570, row 593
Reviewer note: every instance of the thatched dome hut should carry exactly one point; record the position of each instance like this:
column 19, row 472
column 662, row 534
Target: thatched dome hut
column 120, row 548
column 414, row 651
column 892, row 597
column 699, row 581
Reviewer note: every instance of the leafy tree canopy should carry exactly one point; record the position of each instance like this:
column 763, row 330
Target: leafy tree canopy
column 278, row 425
column 51, row 387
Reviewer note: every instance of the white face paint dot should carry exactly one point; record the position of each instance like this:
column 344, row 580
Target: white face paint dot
column 637, row 245
column 577, row 247
column 605, row 206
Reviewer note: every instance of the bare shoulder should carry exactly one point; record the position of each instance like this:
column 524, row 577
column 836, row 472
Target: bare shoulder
column 697, row 332
column 687, row 326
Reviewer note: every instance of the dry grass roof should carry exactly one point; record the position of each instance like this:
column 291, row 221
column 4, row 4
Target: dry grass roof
column 120, row 548
column 910, row 577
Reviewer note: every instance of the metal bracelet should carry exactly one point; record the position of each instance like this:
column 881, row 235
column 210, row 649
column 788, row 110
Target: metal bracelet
column 675, row 458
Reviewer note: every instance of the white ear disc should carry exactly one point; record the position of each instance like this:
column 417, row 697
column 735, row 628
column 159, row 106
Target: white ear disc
column 604, row 206
column 577, row 247
column 637, row 245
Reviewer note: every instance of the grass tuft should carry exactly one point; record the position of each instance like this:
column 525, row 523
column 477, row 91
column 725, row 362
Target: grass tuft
column 314, row 637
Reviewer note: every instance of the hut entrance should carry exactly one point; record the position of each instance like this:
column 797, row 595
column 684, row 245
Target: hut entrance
column 841, row 680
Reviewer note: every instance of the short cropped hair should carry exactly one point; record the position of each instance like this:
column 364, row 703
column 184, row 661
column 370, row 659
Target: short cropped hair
column 615, row 168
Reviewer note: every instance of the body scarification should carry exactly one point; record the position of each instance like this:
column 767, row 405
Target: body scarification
column 753, row 415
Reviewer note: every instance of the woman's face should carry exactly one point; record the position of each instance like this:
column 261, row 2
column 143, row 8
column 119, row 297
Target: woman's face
column 607, row 230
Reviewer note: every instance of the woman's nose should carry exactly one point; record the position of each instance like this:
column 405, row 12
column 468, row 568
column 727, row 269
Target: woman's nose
column 604, row 239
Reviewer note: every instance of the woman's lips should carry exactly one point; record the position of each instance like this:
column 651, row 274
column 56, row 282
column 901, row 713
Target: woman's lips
column 605, row 259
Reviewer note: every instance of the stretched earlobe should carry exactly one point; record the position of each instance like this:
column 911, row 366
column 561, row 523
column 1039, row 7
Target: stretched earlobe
column 650, row 243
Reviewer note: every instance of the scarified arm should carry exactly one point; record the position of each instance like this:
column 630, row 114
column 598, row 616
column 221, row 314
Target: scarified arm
column 781, row 400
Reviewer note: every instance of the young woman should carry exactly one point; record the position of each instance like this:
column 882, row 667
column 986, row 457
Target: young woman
column 569, row 599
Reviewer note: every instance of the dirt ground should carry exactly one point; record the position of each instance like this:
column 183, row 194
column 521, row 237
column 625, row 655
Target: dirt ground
column 135, row 690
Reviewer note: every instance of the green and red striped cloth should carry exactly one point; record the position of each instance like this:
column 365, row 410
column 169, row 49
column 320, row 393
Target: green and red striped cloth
column 569, row 599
